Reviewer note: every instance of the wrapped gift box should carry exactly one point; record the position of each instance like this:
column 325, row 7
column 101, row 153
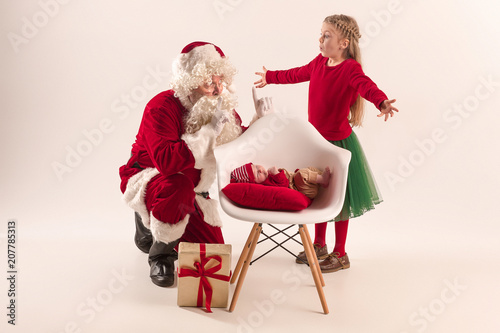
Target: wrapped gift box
column 203, row 274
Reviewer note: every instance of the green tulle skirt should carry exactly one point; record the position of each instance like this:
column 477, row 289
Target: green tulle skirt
column 362, row 193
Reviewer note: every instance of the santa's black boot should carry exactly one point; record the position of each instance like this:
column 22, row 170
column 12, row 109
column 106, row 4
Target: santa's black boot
column 143, row 237
column 161, row 262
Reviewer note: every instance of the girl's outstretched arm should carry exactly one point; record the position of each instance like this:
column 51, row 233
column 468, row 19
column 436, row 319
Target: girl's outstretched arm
column 262, row 82
column 386, row 109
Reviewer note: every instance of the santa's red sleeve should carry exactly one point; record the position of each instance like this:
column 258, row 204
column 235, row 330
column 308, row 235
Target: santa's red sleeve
column 161, row 131
column 239, row 121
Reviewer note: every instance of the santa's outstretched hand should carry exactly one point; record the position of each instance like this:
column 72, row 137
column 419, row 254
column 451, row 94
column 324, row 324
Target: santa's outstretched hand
column 219, row 118
column 263, row 106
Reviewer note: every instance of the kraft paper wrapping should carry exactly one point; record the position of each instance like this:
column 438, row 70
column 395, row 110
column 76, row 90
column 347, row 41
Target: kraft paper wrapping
column 188, row 286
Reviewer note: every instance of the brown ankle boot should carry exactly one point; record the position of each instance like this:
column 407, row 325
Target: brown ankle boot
column 333, row 263
column 321, row 253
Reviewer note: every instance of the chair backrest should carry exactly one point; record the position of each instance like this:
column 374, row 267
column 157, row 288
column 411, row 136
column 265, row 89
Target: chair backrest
column 285, row 141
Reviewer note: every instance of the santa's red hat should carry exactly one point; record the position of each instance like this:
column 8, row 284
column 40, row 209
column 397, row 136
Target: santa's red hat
column 243, row 174
column 188, row 48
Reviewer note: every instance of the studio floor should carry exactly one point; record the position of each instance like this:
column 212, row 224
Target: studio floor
column 100, row 284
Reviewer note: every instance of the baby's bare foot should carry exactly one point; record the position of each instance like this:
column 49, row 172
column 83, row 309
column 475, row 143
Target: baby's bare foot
column 326, row 177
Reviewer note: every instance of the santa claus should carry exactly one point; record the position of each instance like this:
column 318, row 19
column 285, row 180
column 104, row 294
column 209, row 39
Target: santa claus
column 172, row 165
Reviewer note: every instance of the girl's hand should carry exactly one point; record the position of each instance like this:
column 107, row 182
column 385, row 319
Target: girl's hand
column 262, row 82
column 386, row 109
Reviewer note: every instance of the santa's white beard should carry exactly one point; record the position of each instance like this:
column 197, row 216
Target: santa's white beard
column 202, row 112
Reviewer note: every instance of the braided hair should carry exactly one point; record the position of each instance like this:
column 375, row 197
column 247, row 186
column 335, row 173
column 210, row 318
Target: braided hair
column 348, row 28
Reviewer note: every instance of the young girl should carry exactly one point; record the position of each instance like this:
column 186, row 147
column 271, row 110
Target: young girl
column 336, row 85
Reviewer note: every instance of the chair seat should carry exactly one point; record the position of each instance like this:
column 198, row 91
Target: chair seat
column 290, row 143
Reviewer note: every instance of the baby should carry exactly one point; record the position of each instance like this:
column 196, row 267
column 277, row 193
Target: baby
column 306, row 180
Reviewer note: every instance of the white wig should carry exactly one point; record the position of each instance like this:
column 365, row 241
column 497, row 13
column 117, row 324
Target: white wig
column 195, row 66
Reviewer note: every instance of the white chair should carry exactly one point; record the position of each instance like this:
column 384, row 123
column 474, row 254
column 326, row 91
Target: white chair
column 289, row 142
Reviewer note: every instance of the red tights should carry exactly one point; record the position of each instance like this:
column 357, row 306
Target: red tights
column 340, row 235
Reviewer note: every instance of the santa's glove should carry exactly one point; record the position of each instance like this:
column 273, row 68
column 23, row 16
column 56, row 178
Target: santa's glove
column 263, row 106
column 219, row 118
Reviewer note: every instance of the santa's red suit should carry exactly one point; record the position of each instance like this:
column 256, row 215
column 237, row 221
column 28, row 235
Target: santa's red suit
column 167, row 178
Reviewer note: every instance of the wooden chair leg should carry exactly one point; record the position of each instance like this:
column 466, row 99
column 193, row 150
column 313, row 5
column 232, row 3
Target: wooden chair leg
column 315, row 257
column 244, row 254
column 257, row 230
column 308, row 248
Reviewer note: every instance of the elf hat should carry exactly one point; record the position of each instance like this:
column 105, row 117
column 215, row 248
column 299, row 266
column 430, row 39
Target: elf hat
column 243, row 174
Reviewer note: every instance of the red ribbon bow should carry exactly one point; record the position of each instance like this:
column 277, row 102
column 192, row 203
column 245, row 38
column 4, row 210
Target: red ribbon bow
column 203, row 274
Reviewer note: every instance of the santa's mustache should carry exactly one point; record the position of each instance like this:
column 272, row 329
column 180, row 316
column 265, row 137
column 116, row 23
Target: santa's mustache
column 210, row 102
column 203, row 110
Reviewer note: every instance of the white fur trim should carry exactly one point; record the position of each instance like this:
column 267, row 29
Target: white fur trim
column 168, row 232
column 135, row 193
column 202, row 145
column 185, row 101
column 209, row 207
column 207, row 177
